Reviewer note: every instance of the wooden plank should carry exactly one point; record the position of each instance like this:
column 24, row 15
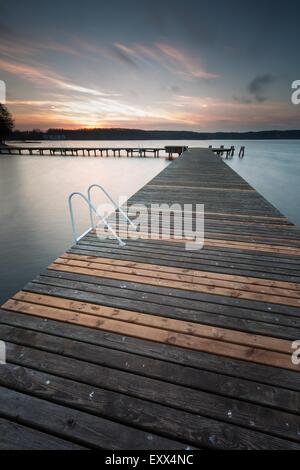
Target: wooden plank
column 198, row 301
column 254, row 246
column 166, row 246
column 114, row 294
column 80, row 268
column 246, row 282
column 239, row 259
column 213, row 231
column 161, row 322
column 87, row 430
column 192, row 428
column 280, row 423
column 224, row 214
column 163, row 219
column 214, row 264
column 172, row 355
column 251, row 354
column 162, row 369
column 247, row 190
column 209, row 261
column 14, row 436
column 259, row 247
column 239, row 319
column 185, row 279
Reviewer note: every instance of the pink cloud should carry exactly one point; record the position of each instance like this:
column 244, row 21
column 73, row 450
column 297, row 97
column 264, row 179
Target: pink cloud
column 184, row 64
column 177, row 61
column 44, row 75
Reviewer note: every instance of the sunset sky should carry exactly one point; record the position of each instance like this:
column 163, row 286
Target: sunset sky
column 199, row 65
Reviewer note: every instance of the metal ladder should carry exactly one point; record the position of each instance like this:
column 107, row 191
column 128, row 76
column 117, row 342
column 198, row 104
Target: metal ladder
column 93, row 210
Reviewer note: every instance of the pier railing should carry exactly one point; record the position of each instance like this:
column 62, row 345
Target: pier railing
column 93, row 210
column 96, row 211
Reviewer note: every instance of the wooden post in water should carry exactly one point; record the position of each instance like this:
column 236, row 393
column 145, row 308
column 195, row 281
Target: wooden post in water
column 242, row 152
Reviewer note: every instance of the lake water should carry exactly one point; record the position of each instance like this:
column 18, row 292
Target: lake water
column 34, row 218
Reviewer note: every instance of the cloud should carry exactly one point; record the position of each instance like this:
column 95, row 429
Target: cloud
column 15, row 50
column 80, row 89
column 123, row 53
column 19, row 49
column 175, row 60
column 208, row 113
column 256, row 90
column 183, row 63
column 193, row 112
column 259, row 85
column 77, row 111
column 45, row 76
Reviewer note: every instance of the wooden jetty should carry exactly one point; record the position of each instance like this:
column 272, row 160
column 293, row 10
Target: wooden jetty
column 227, row 151
column 142, row 152
column 150, row 346
column 170, row 150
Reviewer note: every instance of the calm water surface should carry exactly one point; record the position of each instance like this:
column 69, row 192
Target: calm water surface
column 34, row 217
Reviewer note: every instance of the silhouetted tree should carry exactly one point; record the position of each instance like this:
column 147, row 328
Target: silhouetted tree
column 6, row 122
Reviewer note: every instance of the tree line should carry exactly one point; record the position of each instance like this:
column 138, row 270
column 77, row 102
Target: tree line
column 6, row 123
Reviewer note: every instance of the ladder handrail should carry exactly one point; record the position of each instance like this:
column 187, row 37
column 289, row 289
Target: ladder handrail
column 92, row 209
column 111, row 199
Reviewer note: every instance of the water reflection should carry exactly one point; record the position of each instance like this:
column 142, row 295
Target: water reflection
column 35, row 226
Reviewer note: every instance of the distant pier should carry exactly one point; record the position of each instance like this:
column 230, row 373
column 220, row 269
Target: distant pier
column 227, row 151
column 141, row 152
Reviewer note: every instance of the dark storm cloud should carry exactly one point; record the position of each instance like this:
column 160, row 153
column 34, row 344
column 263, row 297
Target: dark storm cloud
column 259, row 85
column 256, row 90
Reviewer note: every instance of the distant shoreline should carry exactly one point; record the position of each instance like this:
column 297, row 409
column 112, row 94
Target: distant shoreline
column 138, row 134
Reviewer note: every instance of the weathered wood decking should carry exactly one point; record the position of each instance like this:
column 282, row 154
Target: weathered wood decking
column 151, row 346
